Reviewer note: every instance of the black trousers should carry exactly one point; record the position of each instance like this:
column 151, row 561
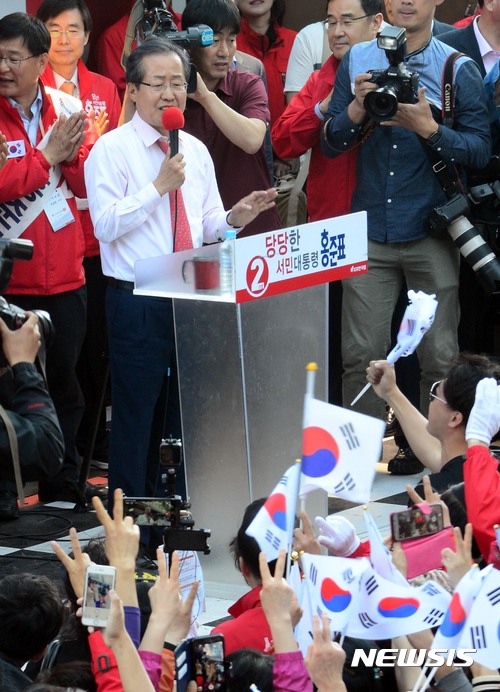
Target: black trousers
column 68, row 314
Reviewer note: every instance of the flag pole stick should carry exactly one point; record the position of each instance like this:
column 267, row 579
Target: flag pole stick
column 311, row 369
column 421, row 678
column 427, row 681
column 290, row 545
column 363, row 391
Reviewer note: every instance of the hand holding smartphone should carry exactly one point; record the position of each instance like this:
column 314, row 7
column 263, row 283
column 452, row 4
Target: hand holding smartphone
column 201, row 659
column 416, row 523
column 99, row 579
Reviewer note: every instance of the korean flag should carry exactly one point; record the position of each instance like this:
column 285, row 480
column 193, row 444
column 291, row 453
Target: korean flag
column 16, row 148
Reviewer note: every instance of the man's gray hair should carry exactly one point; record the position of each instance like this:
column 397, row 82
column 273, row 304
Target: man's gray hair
column 154, row 45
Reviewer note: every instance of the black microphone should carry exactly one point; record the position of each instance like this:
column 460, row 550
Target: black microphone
column 173, row 120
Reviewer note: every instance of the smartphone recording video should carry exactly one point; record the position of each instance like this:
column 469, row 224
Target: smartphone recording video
column 149, row 511
column 415, row 523
column 99, row 579
column 201, row 659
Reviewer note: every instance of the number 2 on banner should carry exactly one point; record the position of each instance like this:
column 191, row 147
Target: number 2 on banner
column 257, row 276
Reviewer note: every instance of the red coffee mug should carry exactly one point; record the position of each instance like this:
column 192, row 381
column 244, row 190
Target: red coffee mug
column 206, row 272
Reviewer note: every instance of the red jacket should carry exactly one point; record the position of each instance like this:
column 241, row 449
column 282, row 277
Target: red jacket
column 331, row 182
column 482, row 495
column 275, row 59
column 96, row 93
column 467, row 20
column 249, row 628
column 104, row 665
column 56, row 265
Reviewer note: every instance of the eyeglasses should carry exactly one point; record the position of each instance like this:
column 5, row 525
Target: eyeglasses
column 69, row 33
column 433, row 395
column 15, row 63
column 160, row 88
column 346, row 23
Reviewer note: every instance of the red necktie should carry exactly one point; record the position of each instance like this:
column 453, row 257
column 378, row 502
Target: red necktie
column 180, row 223
column 68, row 88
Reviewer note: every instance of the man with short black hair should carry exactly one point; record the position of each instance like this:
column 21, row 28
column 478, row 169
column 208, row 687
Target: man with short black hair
column 31, row 612
column 438, row 440
column 229, row 109
column 249, row 626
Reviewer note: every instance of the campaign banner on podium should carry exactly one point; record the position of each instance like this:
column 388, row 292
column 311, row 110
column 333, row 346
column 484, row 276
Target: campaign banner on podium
column 299, row 257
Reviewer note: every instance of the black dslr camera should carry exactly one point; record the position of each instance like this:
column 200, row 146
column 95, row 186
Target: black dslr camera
column 14, row 317
column 453, row 218
column 397, row 84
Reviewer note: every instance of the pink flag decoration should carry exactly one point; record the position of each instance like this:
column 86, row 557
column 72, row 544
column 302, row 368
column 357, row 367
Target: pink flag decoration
column 273, row 525
column 339, row 451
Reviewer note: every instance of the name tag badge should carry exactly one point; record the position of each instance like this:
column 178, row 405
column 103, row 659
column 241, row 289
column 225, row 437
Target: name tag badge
column 58, row 212
column 16, row 148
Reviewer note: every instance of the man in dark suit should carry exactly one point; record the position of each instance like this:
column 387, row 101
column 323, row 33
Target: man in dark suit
column 479, row 39
column 439, row 28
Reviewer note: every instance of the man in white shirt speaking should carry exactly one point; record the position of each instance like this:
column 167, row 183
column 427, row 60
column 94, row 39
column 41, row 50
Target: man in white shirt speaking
column 129, row 180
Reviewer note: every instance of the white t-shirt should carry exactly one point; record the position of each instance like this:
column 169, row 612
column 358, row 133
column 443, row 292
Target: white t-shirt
column 306, row 56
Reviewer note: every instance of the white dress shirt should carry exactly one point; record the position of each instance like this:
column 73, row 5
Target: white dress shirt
column 489, row 55
column 131, row 220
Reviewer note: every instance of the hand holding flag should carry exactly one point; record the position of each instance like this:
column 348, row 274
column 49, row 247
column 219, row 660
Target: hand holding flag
column 418, row 318
column 273, row 525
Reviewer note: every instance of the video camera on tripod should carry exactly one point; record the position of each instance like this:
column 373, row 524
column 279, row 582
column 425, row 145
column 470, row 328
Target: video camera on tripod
column 171, row 513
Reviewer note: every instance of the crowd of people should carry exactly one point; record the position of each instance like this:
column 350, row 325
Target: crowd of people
column 87, row 173
column 136, row 649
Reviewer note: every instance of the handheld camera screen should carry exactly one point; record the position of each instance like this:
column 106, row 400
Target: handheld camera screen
column 96, row 603
column 201, row 659
column 208, row 665
column 149, row 511
column 414, row 523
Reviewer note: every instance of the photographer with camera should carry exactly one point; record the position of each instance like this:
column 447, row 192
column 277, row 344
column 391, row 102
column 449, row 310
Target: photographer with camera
column 398, row 188
column 31, row 411
column 229, row 109
column 109, row 47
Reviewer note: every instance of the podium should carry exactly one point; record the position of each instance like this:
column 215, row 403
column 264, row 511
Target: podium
column 241, row 363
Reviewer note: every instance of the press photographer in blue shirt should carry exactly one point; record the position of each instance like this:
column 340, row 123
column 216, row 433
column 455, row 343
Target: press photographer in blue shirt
column 398, row 188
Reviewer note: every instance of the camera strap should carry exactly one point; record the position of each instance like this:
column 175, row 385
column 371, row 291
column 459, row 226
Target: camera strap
column 14, row 450
column 447, row 180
